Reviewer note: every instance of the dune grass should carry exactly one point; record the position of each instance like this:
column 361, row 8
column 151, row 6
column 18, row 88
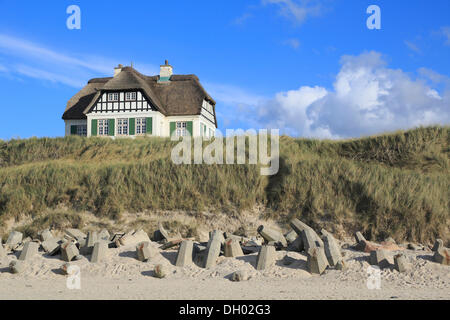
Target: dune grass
column 394, row 184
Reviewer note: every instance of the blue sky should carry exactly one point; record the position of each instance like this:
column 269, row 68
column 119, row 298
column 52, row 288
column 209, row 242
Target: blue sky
column 306, row 67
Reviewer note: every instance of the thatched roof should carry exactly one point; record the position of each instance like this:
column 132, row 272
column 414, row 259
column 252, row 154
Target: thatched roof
column 183, row 95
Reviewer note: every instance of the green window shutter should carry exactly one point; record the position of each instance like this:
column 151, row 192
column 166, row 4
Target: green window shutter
column 204, row 129
column 132, row 124
column 111, row 127
column 73, row 130
column 94, row 127
column 189, row 127
column 149, row 125
column 172, row 128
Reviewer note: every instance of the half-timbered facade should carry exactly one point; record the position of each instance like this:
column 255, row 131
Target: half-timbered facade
column 131, row 104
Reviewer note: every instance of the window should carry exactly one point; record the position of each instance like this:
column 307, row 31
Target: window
column 103, row 127
column 181, row 129
column 122, row 127
column 130, row 96
column 113, row 96
column 141, row 126
column 82, row 130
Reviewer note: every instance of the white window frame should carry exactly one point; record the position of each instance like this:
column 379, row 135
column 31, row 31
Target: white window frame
column 114, row 96
column 123, row 127
column 130, row 96
column 141, row 126
column 102, row 127
column 181, row 129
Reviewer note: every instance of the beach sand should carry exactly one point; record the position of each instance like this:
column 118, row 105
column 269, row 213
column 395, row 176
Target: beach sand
column 122, row 276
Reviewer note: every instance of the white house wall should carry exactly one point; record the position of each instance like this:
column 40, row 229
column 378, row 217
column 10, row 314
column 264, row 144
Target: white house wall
column 69, row 123
column 156, row 115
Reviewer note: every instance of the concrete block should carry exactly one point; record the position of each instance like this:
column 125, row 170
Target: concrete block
column 30, row 249
column 91, row 240
column 442, row 256
column 199, row 254
column 185, row 254
column 45, row 235
column 298, row 226
column 2, row 250
column 115, row 237
column 400, row 262
column 240, row 275
column 14, row 239
column 438, row 244
column 270, row 234
column 134, row 238
column 216, row 235
column 233, row 248
column 309, row 239
column 332, row 250
column 250, row 249
column 212, row 253
column 297, row 245
column 161, row 234
column 99, row 252
column 316, row 261
column 80, row 242
column 324, row 232
column 17, row 266
column 145, row 251
column 171, row 244
column 379, row 258
column 69, row 251
column 359, row 237
column 75, row 233
column 55, row 250
column 104, row 235
column 266, row 257
column 159, row 271
column 291, row 236
column 241, row 239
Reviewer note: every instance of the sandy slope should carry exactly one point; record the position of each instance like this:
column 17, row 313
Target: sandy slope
column 122, row 276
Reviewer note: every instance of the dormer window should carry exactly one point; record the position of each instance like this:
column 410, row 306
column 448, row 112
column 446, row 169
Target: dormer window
column 130, row 96
column 113, row 96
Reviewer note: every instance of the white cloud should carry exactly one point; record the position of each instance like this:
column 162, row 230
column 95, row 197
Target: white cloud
column 29, row 59
column 296, row 10
column 294, row 43
column 367, row 98
column 49, row 76
column 445, row 31
column 413, row 47
column 242, row 19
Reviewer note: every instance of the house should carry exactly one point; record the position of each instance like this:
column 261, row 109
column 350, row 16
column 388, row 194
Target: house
column 131, row 104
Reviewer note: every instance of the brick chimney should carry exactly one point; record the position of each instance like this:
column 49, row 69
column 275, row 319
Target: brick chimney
column 165, row 72
column 118, row 69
